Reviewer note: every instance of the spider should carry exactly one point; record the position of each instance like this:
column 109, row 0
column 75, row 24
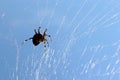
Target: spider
column 38, row 37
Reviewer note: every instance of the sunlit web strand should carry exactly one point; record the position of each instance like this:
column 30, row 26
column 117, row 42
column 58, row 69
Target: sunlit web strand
column 100, row 21
column 53, row 12
column 69, row 42
column 94, row 6
column 78, row 12
column 62, row 22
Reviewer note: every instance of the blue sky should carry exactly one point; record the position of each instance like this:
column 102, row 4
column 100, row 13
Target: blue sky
column 85, row 40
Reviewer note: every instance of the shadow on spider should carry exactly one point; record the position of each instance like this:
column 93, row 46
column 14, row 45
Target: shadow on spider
column 38, row 38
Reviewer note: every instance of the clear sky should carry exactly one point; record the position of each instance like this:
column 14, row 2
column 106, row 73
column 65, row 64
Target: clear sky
column 85, row 40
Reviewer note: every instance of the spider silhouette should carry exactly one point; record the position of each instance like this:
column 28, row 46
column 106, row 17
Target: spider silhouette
column 38, row 38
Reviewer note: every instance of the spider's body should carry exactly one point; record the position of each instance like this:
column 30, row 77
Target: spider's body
column 38, row 38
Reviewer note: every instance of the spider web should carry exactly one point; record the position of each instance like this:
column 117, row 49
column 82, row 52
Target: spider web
column 85, row 42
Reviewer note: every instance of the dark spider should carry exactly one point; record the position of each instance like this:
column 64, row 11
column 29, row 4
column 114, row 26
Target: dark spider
column 38, row 37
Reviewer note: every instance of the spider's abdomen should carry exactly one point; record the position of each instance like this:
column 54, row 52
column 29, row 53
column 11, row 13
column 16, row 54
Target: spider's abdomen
column 36, row 39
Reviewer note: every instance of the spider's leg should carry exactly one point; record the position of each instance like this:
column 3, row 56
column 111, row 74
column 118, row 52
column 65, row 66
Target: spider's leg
column 44, row 34
column 28, row 39
column 46, row 42
column 35, row 31
column 45, row 30
column 47, row 34
column 39, row 29
column 44, row 46
column 49, row 37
